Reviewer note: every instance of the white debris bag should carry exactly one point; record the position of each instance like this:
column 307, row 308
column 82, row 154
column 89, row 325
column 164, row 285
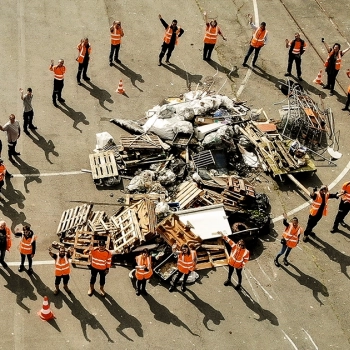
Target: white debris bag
column 162, row 208
column 102, row 139
column 141, row 182
column 166, row 177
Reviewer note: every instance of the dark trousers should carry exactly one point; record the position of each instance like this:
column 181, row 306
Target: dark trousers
column 207, row 50
column 12, row 148
column 284, row 250
column 2, row 255
column 331, row 76
column 343, row 210
column 94, row 273
column 250, row 51
column 178, row 276
column 58, row 279
column 141, row 285
column 28, row 120
column 347, row 104
column 57, row 90
column 29, row 257
column 238, row 271
column 311, row 223
column 83, row 67
column 166, row 49
column 297, row 59
column 114, row 51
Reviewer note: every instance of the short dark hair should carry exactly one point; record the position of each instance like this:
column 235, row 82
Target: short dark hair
column 263, row 24
column 174, row 20
column 338, row 45
column 29, row 90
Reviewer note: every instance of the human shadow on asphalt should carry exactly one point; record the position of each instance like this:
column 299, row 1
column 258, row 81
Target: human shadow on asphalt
column 19, row 286
column 163, row 314
column 256, row 308
column 229, row 72
column 47, row 146
column 333, row 254
column 125, row 320
column 308, row 281
column 190, row 78
column 84, row 316
column 101, row 95
column 133, row 76
column 29, row 172
column 77, row 117
column 210, row 314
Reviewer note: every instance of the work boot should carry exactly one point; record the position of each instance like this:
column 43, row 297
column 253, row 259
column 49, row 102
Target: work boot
column 171, row 288
column 183, row 287
column 227, row 282
column 244, row 64
column 287, row 75
column 238, row 287
column 62, row 100
column 91, row 290
column 334, row 230
column 305, row 238
column 285, row 262
column 137, row 292
column 160, row 63
column 55, row 104
column 4, row 264
column 102, row 291
column 144, row 292
column 345, row 109
column 30, row 271
column 21, row 268
column 57, row 290
column 343, row 223
column 277, row 263
column 67, row 289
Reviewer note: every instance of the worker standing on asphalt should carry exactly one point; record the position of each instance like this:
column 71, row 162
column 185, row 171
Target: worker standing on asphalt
column 347, row 103
column 27, row 247
column 62, row 269
column 172, row 33
column 58, row 82
column 101, row 260
column 117, row 33
column 5, row 242
column 319, row 208
column 13, row 133
column 296, row 49
column 238, row 258
column 3, row 173
column 143, row 271
column 258, row 40
column 84, row 49
column 28, row 112
column 344, row 207
column 186, row 262
column 211, row 35
column 290, row 238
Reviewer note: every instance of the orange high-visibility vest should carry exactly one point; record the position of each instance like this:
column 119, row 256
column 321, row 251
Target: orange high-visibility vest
column 211, row 34
column 141, row 274
column 337, row 62
column 2, row 171
column 58, row 72
column 238, row 256
column 291, row 234
column 116, row 36
column 168, row 34
column 258, row 39
column 25, row 245
column 315, row 205
column 101, row 260
column 298, row 45
column 8, row 238
column 349, row 89
column 82, row 52
column 346, row 188
column 187, row 263
column 62, row 266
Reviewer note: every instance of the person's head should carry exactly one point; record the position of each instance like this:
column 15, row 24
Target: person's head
column 118, row 24
column 60, row 62
column 62, row 252
column 174, row 23
column 295, row 222
column 145, row 252
column 12, row 118
column 213, row 23
column 297, row 36
column 263, row 25
column 26, row 230
column 241, row 244
column 2, row 224
column 324, row 189
column 336, row 47
column 185, row 249
column 1, row 161
column 29, row 91
column 101, row 245
column 86, row 41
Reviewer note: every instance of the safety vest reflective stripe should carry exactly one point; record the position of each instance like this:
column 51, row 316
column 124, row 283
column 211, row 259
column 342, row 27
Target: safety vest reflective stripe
column 238, row 257
column 62, row 266
column 141, row 273
column 317, row 203
column 292, row 235
column 297, row 47
column 25, row 245
column 337, row 62
column 258, row 39
column 59, row 72
column 168, row 34
column 211, row 35
column 116, row 36
column 101, row 260
column 82, row 52
column 186, row 263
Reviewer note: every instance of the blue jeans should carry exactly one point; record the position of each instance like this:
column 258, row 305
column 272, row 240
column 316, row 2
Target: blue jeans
column 285, row 250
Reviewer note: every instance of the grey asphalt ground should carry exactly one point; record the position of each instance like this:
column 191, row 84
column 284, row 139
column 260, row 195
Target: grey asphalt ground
column 302, row 306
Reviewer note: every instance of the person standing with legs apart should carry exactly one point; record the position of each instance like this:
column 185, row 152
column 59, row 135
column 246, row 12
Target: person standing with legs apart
column 62, row 268
column 172, row 33
column 28, row 112
column 143, row 271
column 58, row 81
column 344, row 207
column 5, row 242
column 319, row 208
column 296, row 49
column 117, row 33
column 13, row 131
column 258, row 40
column 186, row 262
column 83, row 59
column 101, row 260
column 290, row 238
column 238, row 258
column 27, row 248
column 347, row 103
column 211, row 35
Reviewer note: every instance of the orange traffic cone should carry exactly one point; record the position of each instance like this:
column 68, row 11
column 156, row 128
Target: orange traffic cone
column 120, row 89
column 318, row 80
column 45, row 313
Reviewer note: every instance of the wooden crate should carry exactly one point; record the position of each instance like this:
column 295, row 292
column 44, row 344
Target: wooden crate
column 141, row 142
column 209, row 258
column 146, row 216
column 103, row 165
column 187, row 192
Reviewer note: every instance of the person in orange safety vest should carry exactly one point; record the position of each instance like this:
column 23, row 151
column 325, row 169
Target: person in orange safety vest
column 84, row 49
column 259, row 39
column 333, row 64
column 296, row 49
column 186, row 262
column 319, row 208
column 143, row 271
column 344, row 206
column 3, row 172
column 27, row 247
column 117, row 33
column 347, row 103
column 58, row 82
column 172, row 33
column 101, row 261
column 212, row 31
column 238, row 258
column 62, row 268
column 5, row 242
column 290, row 238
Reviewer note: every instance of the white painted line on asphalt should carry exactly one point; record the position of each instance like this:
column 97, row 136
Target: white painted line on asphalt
column 290, row 340
column 42, row 262
column 260, row 285
column 257, row 260
column 313, row 343
column 61, row 173
column 251, row 286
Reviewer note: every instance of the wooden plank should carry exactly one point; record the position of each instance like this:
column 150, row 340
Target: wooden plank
column 103, row 165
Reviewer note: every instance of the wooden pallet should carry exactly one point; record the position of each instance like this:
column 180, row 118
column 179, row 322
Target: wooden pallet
column 73, row 218
column 103, row 165
column 187, row 192
column 141, row 142
column 240, row 186
column 146, row 215
column 133, row 198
